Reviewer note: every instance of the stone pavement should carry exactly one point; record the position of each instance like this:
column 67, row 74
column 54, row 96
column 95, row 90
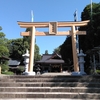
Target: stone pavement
column 55, row 73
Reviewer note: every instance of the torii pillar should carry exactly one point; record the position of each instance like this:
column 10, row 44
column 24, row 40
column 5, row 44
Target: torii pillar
column 53, row 32
column 32, row 48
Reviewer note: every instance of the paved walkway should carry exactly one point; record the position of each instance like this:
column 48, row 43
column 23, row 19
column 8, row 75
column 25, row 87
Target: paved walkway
column 48, row 73
column 63, row 73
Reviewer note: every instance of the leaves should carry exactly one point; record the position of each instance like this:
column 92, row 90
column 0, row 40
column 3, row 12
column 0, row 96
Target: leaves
column 0, row 28
column 16, row 48
column 3, row 51
column 4, row 68
column 46, row 52
column 66, row 51
column 57, row 50
column 3, row 45
column 91, row 40
column 88, row 41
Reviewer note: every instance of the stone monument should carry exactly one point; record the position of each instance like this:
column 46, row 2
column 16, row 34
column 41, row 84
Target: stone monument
column 81, row 56
column 26, row 62
column 81, row 61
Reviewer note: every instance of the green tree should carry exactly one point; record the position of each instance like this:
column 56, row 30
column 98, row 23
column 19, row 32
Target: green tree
column 0, row 28
column 3, row 45
column 4, row 52
column 57, row 50
column 37, row 55
column 88, row 41
column 46, row 52
column 16, row 48
column 4, row 68
column 66, row 51
column 91, row 39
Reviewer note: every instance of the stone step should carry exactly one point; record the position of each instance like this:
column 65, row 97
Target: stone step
column 41, row 87
column 49, row 80
column 41, row 76
column 7, row 80
column 21, row 78
column 50, row 95
column 43, row 99
column 49, row 84
column 50, row 76
column 50, row 89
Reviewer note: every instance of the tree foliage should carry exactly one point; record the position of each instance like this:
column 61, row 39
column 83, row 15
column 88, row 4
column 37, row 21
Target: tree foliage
column 4, row 68
column 46, row 52
column 88, row 41
column 3, row 45
column 16, row 48
column 66, row 51
column 91, row 40
column 4, row 52
column 57, row 50
column 37, row 55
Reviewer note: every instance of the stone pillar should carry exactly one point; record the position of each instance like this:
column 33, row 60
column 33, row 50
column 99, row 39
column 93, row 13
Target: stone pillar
column 81, row 56
column 75, row 56
column 32, row 46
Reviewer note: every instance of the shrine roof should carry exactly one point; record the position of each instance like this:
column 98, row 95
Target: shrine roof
column 51, row 58
column 13, row 62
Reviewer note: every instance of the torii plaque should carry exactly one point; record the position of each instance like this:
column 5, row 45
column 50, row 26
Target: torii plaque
column 53, row 31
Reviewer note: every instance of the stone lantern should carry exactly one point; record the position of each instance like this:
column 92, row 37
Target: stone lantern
column 26, row 62
column 81, row 56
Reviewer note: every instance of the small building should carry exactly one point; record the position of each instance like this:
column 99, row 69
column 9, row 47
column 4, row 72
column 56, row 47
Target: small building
column 51, row 63
column 14, row 66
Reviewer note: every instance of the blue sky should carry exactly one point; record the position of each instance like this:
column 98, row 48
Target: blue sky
column 12, row 11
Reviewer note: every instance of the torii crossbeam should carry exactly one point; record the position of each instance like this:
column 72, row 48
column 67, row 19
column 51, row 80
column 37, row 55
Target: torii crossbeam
column 53, row 32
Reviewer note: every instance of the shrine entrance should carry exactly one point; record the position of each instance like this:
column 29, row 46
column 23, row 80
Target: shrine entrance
column 56, row 68
column 53, row 31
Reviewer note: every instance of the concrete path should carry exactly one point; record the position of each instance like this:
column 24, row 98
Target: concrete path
column 63, row 73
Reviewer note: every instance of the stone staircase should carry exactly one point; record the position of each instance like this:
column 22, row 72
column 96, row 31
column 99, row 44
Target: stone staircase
column 44, row 87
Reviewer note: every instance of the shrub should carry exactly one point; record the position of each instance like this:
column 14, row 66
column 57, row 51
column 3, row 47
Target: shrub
column 98, row 71
column 8, row 73
column 4, row 68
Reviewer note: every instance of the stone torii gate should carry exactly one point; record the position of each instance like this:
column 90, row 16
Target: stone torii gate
column 52, row 32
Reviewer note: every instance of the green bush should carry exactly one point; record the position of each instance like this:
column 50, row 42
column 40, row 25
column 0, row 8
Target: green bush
column 21, row 68
column 8, row 73
column 4, row 68
column 98, row 71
